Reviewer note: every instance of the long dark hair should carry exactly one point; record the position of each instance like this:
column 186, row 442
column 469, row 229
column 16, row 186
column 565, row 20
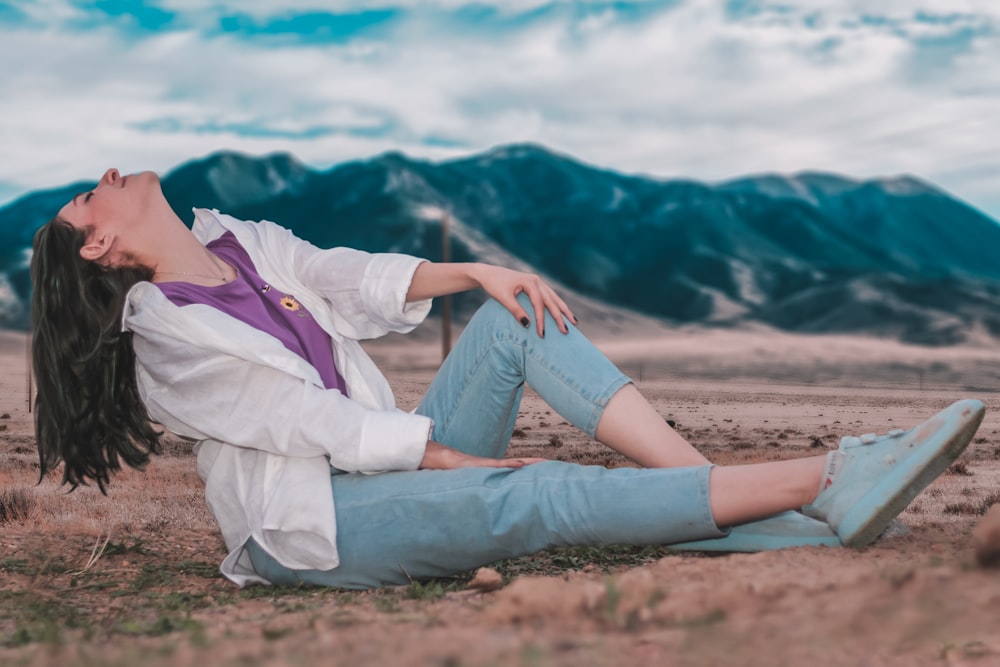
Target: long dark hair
column 88, row 413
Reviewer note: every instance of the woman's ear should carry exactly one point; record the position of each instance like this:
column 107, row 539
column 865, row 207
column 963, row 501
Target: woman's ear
column 97, row 246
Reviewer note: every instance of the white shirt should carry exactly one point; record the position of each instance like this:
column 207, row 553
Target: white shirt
column 267, row 428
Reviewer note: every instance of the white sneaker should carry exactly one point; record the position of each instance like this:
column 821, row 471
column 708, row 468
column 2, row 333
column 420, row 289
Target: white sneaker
column 878, row 476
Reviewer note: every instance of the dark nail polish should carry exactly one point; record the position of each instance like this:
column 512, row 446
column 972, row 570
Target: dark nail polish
column 525, row 322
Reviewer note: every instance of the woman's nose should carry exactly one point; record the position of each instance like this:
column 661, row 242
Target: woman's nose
column 110, row 177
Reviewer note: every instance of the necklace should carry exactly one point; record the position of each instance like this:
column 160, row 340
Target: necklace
column 196, row 275
column 215, row 259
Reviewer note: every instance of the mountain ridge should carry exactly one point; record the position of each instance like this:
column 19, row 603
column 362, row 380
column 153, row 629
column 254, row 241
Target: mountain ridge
column 813, row 252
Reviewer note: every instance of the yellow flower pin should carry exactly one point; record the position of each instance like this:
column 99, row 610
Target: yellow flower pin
column 289, row 303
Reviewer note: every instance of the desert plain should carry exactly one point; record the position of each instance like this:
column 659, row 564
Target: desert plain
column 132, row 578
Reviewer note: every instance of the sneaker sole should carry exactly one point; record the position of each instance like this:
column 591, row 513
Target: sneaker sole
column 782, row 531
column 877, row 508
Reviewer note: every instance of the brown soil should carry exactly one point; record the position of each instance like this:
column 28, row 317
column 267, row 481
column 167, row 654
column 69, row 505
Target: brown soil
column 132, row 578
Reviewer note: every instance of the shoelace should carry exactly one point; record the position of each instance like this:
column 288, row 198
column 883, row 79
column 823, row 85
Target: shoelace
column 870, row 438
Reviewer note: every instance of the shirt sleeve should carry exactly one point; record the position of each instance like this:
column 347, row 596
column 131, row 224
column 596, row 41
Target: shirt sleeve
column 204, row 393
column 366, row 290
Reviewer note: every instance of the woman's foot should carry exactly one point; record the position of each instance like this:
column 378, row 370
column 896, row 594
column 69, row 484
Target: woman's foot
column 870, row 479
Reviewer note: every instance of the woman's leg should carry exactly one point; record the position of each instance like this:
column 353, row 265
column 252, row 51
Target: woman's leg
column 395, row 526
column 413, row 524
column 744, row 493
column 632, row 427
column 474, row 397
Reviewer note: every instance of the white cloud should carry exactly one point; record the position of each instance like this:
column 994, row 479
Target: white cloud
column 265, row 8
column 688, row 92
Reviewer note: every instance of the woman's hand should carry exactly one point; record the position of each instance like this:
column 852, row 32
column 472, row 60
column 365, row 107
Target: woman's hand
column 505, row 284
column 431, row 280
column 440, row 457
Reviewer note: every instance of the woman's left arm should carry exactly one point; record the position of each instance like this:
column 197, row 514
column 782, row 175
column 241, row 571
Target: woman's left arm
column 431, row 280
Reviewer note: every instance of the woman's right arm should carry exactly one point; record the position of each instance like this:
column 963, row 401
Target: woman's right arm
column 204, row 393
column 367, row 291
column 247, row 405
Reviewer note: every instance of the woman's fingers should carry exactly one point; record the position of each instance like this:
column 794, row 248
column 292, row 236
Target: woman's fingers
column 470, row 461
column 506, row 463
column 522, row 462
column 544, row 298
column 558, row 308
column 563, row 308
column 514, row 306
column 505, row 285
column 442, row 457
column 538, row 305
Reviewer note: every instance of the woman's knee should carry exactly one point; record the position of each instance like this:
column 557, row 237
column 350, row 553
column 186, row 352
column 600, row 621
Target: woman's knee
column 494, row 309
column 494, row 316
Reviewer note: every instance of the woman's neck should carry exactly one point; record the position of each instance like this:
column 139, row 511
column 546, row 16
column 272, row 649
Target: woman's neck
column 173, row 253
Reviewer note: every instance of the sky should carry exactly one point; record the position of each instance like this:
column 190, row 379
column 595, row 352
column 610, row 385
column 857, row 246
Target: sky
column 702, row 89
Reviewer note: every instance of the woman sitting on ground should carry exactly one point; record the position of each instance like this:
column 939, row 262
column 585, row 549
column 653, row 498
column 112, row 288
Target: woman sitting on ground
column 245, row 338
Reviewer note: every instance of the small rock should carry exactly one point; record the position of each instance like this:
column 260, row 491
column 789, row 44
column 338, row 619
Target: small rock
column 486, row 579
column 986, row 538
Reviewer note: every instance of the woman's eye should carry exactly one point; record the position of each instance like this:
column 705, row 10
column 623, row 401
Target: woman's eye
column 87, row 197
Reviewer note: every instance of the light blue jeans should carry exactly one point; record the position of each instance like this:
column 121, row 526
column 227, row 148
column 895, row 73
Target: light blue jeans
column 397, row 526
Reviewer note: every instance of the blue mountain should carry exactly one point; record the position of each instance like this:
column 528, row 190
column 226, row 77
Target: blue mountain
column 811, row 252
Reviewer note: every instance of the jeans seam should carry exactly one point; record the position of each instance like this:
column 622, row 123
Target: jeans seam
column 545, row 479
column 456, row 488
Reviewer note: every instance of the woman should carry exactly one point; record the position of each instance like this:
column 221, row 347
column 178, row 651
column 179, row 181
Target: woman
column 245, row 338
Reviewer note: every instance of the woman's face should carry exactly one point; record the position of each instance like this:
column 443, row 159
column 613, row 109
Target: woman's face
column 116, row 200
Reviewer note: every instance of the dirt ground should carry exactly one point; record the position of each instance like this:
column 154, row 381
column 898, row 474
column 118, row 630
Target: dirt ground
column 132, row 578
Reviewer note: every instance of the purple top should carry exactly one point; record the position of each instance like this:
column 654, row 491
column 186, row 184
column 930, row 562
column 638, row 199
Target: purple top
column 253, row 301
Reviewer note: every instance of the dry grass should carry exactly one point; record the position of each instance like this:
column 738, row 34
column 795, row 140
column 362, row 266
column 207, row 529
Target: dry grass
column 132, row 578
column 16, row 504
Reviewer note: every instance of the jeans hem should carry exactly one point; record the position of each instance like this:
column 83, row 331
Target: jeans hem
column 601, row 402
column 704, row 495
